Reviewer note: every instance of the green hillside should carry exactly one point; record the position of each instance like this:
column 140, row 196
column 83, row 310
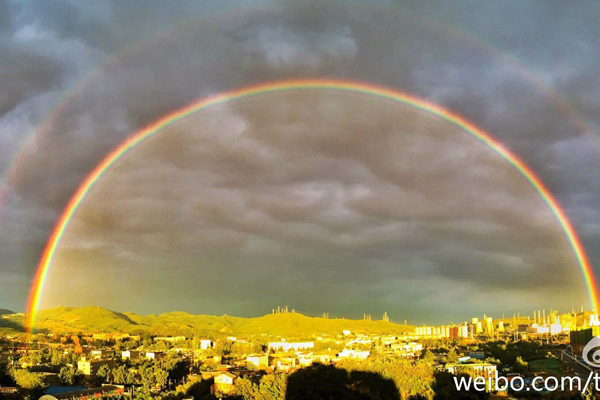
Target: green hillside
column 97, row 319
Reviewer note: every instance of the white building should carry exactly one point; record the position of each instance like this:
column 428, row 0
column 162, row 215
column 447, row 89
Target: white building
column 257, row 362
column 287, row 346
column 354, row 354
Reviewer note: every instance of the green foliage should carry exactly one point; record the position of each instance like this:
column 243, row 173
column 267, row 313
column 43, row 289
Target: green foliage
column 57, row 357
column 5, row 377
column 33, row 358
column 221, row 348
column 153, row 377
column 208, row 365
column 160, row 377
column 550, row 365
column 412, row 378
column 445, row 389
column 176, row 368
column 272, row 386
column 452, row 356
column 70, row 376
column 428, row 357
column 103, row 375
column 508, row 353
column 122, row 375
column 521, row 366
column 196, row 390
column 245, row 388
column 329, row 382
column 27, row 380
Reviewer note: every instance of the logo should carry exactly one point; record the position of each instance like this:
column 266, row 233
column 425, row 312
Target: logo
column 591, row 352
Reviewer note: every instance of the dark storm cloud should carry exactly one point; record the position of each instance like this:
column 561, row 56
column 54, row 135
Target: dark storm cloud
column 176, row 54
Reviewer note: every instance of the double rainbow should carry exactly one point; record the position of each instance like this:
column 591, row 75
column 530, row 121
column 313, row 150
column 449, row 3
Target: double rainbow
column 41, row 275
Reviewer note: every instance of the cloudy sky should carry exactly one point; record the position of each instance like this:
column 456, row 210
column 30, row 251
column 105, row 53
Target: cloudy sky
column 323, row 200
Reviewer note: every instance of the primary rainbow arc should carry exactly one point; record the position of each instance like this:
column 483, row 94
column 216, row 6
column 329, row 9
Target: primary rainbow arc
column 45, row 263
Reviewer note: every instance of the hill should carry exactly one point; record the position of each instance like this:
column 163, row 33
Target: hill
column 4, row 311
column 97, row 319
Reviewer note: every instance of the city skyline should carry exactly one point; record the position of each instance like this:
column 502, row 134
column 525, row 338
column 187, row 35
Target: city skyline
column 542, row 316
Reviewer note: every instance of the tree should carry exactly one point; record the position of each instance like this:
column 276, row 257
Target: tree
column 28, row 380
column 445, row 388
column 120, row 374
column 32, row 358
column 57, row 357
column 245, row 389
column 160, row 377
column 272, row 387
column 452, row 356
column 411, row 378
column 70, row 376
column 428, row 357
column 521, row 366
column 103, row 375
column 148, row 378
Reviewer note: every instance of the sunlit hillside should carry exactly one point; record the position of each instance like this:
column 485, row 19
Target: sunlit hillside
column 97, row 319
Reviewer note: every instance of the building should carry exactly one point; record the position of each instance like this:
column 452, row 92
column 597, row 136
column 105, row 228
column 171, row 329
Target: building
column 439, row 332
column 257, row 362
column 287, row 346
column 130, row 354
column 102, row 353
column 171, row 339
column 478, row 329
column 407, row 349
column 224, row 383
column 91, row 367
column 578, row 339
column 305, row 359
column 489, row 325
column 536, row 329
column 104, row 391
column 285, row 363
column 485, row 370
column 154, row 355
column 477, row 355
column 8, row 390
column 206, row 344
column 362, row 355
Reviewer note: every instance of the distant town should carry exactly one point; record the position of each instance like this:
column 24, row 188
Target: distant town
column 97, row 353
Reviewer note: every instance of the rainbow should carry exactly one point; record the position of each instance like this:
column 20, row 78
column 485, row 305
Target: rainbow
column 45, row 263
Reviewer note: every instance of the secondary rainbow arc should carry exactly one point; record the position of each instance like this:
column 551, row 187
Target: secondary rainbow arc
column 45, row 263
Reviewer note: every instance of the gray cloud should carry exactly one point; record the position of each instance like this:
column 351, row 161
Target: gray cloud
column 340, row 205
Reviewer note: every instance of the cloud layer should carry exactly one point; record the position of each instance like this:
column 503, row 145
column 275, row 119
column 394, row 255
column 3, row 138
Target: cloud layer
column 85, row 76
column 323, row 199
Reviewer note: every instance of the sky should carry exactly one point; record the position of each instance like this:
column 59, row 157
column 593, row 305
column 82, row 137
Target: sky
column 322, row 200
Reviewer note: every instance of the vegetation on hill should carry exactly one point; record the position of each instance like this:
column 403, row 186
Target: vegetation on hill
column 97, row 319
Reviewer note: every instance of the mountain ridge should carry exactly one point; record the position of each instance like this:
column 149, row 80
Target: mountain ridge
column 94, row 319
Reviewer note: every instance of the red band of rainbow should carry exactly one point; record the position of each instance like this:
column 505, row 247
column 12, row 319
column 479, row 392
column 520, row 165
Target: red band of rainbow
column 45, row 263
